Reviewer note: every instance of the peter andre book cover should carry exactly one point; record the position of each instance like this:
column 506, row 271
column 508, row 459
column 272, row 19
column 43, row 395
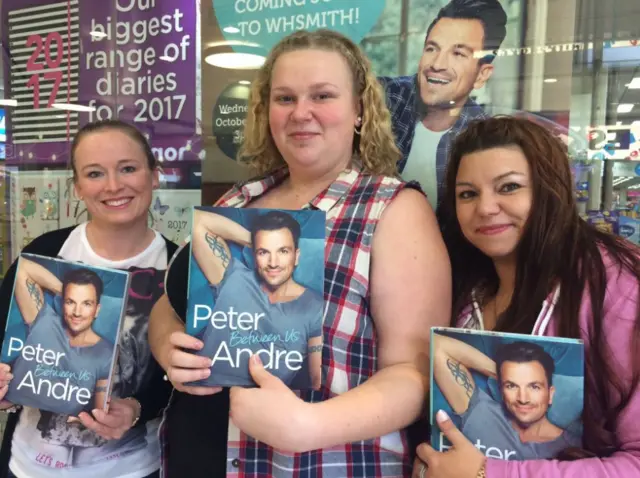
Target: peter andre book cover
column 256, row 282
column 62, row 334
column 514, row 396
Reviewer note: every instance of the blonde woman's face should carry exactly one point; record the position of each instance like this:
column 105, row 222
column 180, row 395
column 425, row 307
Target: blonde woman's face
column 312, row 111
column 113, row 178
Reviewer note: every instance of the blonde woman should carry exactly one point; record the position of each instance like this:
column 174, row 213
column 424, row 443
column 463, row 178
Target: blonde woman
column 114, row 174
column 319, row 134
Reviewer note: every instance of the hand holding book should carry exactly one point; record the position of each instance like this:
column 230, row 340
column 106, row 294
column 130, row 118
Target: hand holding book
column 271, row 412
column 112, row 425
column 5, row 378
column 183, row 366
column 462, row 460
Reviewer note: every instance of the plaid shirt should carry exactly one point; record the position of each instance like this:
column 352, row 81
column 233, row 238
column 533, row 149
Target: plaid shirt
column 403, row 101
column 353, row 204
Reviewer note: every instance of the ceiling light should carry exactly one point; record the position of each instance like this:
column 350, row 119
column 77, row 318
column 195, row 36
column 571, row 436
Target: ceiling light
column 244, row 82
column 72, row 107
column 231, row 29
column 235, row 61
column 635, row 84
column 8, row 102
column 97, row 34
column 550, row 80
column 625, row 107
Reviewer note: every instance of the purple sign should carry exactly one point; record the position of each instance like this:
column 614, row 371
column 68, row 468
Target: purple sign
column 135, row 60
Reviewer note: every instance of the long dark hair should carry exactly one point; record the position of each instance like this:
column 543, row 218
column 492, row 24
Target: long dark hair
column 557, row 247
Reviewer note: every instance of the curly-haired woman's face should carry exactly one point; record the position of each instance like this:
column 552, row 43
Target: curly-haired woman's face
column 312, row 111
column 493, row 199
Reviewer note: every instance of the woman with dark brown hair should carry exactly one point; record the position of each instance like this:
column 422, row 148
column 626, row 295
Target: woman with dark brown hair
column 525, row 262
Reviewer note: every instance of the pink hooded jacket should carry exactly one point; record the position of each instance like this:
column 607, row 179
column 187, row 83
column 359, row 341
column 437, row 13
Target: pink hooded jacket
column 620, row 315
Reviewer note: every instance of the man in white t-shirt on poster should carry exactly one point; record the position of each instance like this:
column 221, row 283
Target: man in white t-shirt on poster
column 431, row 107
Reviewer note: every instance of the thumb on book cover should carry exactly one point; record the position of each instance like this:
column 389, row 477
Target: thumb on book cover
column 259, row 374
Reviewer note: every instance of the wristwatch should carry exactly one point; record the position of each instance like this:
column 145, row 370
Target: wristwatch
column 136, row 419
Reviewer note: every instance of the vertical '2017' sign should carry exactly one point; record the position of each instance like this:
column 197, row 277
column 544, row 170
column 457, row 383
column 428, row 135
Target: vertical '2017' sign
column 52, row 43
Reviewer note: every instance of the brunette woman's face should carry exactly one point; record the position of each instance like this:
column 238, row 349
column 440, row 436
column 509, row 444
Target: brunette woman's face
column 113, row 178
column 493, row 199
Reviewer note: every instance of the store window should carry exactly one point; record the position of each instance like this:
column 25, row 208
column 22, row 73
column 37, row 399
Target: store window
column 181, row 71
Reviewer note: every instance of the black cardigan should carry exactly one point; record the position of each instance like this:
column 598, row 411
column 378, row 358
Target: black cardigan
column 153, row 399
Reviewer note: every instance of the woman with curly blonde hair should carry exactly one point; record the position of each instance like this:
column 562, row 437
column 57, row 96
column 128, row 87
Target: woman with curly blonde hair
column 319, row 134
column 374, row 144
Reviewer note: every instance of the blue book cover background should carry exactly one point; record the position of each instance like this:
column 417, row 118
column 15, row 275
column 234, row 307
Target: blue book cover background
column 309, row 273
column 106, row 325
column 493, row 427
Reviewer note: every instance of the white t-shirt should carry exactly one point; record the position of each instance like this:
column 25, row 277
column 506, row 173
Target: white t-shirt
column 421, row 163
column 44, row 445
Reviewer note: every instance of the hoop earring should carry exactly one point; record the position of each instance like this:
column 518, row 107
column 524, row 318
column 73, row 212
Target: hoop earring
column 358, row 128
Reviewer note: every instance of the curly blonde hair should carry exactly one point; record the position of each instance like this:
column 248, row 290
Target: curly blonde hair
column 375, row 145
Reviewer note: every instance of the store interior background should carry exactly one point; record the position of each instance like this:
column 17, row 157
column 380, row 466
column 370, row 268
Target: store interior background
column 589, row 83
column 589, row 79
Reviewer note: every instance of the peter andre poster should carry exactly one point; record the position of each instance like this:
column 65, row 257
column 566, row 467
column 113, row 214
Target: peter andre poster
column 256, row 281
column 62, row 333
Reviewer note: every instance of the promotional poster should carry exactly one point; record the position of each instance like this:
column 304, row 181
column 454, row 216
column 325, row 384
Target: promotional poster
column 438, row 69
column 256, row 279
column 515, row 397
column 62, row 334
column 71, row 62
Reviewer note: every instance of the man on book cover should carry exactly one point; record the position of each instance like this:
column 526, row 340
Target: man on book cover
column 285, row 316
column 517, row 427
column 64, row 342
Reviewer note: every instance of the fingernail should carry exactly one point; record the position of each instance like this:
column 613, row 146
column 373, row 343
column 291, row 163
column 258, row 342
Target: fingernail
column 95, row 410
column 256, row 359
column 441, row 416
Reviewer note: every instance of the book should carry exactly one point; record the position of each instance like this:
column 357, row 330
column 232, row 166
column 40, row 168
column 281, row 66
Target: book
column 514, row 396
column 256, row 286
column 61, row 335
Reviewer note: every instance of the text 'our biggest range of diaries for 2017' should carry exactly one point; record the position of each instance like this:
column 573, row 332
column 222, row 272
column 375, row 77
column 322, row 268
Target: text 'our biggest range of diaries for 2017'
column 255, row 287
